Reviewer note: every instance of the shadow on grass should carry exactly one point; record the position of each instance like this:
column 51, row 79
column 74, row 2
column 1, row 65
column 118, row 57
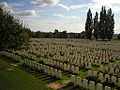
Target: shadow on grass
column 66, row 73
column 70, row 86
column 39, row 74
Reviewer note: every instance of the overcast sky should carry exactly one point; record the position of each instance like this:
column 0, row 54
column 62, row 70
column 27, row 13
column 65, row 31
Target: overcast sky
column 69, row 15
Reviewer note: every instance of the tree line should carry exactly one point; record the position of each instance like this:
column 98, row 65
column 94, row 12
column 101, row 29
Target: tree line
column 100, row 27
column 57, row 34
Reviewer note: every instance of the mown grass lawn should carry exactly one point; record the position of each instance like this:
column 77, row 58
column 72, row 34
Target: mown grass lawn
column 12, row 77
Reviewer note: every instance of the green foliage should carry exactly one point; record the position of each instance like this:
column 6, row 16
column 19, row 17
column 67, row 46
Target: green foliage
column 58, row 34
column 89, row 25
column 96, row 26
column 104, row 28
column 12, row 33
column 118, row 37
column 106, row 24
column 102, row 23
column 109, row 24
column 37, row 34
column 82, row 34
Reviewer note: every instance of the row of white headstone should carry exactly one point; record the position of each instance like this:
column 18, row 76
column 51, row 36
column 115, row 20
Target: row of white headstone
column 12, row 56
column 45, row 68
column 91, row 85
column 94, row 58
column 81, row 43
column 64, row 66
column 25, row 54
column 116, row 65
column 111, row 69
column 32, row 64
column 79, row 63
column 101, row 76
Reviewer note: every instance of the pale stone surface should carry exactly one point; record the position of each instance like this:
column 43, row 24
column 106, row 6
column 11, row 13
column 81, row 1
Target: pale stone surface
column 73, row 69
column 77, row 70
column 101, row 76
column 89, row 72
column 72, row 78
column 85, row 83
column 89, row 65
column 107, row 88
column 99, row 86
column 92, row 85
column 78, row 81
column 111, row 70
column 113, row 79
column 95, row 73
column 107, row 76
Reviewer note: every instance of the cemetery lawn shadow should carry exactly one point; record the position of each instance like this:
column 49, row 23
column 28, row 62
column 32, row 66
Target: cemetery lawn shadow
column 40, row 75
column 70, row 86
column 95, row 68
column 83, row 73
column 66, row 75
column 12, row 77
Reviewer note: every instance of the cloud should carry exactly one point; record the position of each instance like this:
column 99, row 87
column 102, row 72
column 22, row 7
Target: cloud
column 106, row 2
column 16, row 4
column 43, row 3
column 63, row 6
column 51, row 25
column 68, row 17
column 4, row 4
column 114, row 4
column 9, row 7
column 72, row 7
column 25, row 13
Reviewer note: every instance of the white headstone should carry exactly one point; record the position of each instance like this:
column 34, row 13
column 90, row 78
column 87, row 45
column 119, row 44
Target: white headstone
column 89, row 65
column 92, row 85
column 111, row 70
column 107, row 88
column 89, row 72
column 95, row 73
column 77, row 70
column 85, row 83
column 78, row 81
column 107, row 76
column 72, row 78
column 101, row 76
column 113, row 79
column 73, row 69
column 99, row 86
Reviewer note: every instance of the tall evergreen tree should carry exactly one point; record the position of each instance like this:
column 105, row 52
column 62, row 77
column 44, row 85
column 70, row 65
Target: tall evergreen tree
column 109, row 24
column 89, row 25
column 96, row 27
column 102, row 23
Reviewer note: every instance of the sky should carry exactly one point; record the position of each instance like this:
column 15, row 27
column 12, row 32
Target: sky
column 69, row 15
